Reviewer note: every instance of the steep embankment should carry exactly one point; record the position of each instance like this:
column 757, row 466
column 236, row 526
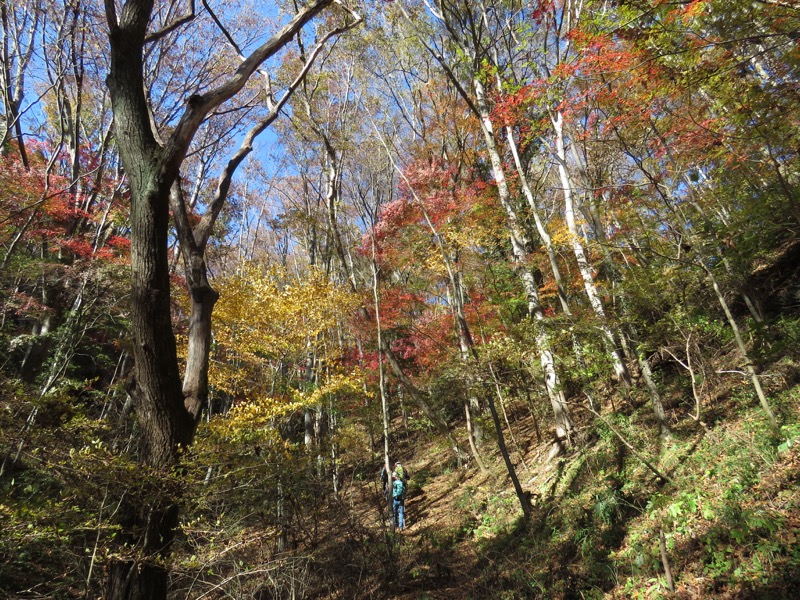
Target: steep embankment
column 729, row 514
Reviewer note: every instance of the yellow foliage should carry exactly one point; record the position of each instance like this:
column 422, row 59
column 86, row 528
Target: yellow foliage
column 263, row 315
column 259, row 415
column 337, row 384
column 433, row 262
column 559, row 233
column 478, row 233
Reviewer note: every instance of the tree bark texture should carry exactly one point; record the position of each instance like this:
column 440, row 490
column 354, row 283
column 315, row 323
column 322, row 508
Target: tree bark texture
column 167, row 422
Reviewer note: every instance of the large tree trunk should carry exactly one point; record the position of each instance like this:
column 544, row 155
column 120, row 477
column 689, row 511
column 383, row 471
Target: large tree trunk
column 165, row 424
column 130, row 579
column 163, row 419
column 152, row 167
column 162, row 416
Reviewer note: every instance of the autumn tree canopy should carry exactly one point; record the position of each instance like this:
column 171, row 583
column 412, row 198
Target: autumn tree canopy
column 544, row 252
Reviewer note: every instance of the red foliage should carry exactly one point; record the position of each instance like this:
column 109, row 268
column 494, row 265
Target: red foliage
column 40, row 204
column 394, row 215
column 540, row 11
column 116, row 241
column 427, row 344
column 430, row 193
column 398, row 306
column 509, row 109
column 80, row 248
column 434, row 184
column 24, row 305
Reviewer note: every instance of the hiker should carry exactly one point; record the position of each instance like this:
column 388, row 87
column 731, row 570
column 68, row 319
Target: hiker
column 398, row 501
column 401, row 472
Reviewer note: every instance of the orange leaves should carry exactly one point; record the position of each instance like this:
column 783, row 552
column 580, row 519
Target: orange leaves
column 686, row 12
column 398, row 304
column 510, row 108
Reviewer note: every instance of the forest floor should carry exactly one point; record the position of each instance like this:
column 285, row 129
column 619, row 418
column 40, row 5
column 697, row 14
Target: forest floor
column 729, row 514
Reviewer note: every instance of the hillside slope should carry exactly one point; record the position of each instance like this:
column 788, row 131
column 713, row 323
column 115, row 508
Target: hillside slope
column 729, row 515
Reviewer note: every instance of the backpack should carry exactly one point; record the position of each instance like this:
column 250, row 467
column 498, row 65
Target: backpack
column 398, row 490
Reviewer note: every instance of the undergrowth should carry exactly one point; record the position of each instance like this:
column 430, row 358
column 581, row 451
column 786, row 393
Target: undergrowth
column 729, row 516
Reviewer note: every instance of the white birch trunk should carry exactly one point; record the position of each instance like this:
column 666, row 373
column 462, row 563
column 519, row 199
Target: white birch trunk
column 381, row 373
column 540, row 228
column 587, row 274
column 517, row 235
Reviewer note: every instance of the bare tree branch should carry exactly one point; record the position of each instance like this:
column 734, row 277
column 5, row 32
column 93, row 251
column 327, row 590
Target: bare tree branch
column 175, row 24
column 200, row 105
column 223, row 29
column 203, row 229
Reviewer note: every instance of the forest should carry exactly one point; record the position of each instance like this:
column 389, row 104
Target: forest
column 255, row 256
